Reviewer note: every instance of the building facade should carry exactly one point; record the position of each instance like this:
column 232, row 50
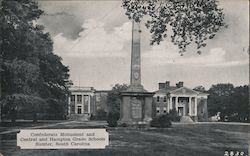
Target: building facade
column 86, row 101
column 80, row 104
column 187, row 102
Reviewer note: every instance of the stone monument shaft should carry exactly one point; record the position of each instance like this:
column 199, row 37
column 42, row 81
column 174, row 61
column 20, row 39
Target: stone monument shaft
column 135, row 73
column 136, row 106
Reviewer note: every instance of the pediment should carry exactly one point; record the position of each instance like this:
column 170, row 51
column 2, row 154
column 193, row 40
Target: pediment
column 184, row 91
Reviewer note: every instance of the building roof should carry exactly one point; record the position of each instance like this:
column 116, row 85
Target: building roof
column 81, row 89
column 180, row 91
column 102, row 91
column 183, row 90
column 166, row 90
column 87, row 89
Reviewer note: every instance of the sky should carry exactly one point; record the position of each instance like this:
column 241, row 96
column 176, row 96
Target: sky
column 94, row 40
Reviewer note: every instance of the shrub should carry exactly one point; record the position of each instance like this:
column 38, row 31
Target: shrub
column 112, row 119
column 22, row 103
column 173, row 115
column 124, row 125
column 92, row 117
column 101, row 114
column 161, row 121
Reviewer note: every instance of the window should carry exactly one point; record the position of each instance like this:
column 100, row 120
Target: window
column 164, row 110
column 72, row 98
column 79, row 98
column 79, row 109
column 157, row 110
column 165, row 99
column 158, row 99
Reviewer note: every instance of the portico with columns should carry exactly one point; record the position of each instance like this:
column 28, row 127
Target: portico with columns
column 185, row 101
column 183, row 104
column 80, row 103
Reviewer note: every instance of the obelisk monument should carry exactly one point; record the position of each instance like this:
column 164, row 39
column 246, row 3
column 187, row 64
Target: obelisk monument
column 136, row 106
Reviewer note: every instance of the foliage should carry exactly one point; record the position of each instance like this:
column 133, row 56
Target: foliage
column 113, row 98
column 100, row 115
column 191, row 21
column 161, row 121
column 219, row 98
column 200, row 89
column 56, row 108
column 173, row 115
column 112, row 119
column 28, row 65
column 240, row 103
column 230, row 101
column 23, row 103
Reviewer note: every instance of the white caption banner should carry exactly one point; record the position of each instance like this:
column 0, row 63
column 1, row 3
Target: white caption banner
column 63, row 139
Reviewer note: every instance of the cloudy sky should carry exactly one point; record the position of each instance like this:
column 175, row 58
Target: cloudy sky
column 94, row 40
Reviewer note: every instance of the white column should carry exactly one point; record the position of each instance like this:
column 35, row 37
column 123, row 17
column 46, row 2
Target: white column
column 69, row 104
column 195, row 106
column 89, row 104
column 189, row 107
column 75, row 103
column 170, row 103
column 82, row 104
column 176, row 103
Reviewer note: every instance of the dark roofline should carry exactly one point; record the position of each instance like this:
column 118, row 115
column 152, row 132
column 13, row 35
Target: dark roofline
column 166, row 90
column 98, row 91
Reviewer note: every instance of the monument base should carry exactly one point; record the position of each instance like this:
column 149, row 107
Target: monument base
column 136, row 107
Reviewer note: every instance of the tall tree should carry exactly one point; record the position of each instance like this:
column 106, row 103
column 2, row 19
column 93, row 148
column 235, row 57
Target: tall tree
column 114, row 99
column 240, row 103
column 220, row 99
column 29, row 69
column 230, row 101
column 191, row 21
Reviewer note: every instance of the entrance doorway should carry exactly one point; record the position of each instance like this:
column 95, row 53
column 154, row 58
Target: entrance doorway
column 79, row 109
column 180, row 111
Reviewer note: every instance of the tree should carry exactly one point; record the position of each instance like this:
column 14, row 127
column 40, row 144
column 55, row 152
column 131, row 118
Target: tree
column 113, row 103
column 200, row 89
column 28, row 66
column 240, row 104
column 191, row 21
column 23, row 104
column 230, row 101
column 114, row 99
column 219, row 100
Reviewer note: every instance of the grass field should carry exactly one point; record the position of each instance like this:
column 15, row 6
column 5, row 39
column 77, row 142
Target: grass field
column 180, row 140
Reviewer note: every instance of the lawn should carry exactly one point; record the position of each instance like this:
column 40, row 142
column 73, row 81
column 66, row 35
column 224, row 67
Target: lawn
column 180, row 140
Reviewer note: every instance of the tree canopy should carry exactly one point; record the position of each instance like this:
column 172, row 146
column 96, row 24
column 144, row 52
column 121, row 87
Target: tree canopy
column 29, row 68
column 230, row 101
column 113, row 98
column 200, row 89
column 191, row 21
